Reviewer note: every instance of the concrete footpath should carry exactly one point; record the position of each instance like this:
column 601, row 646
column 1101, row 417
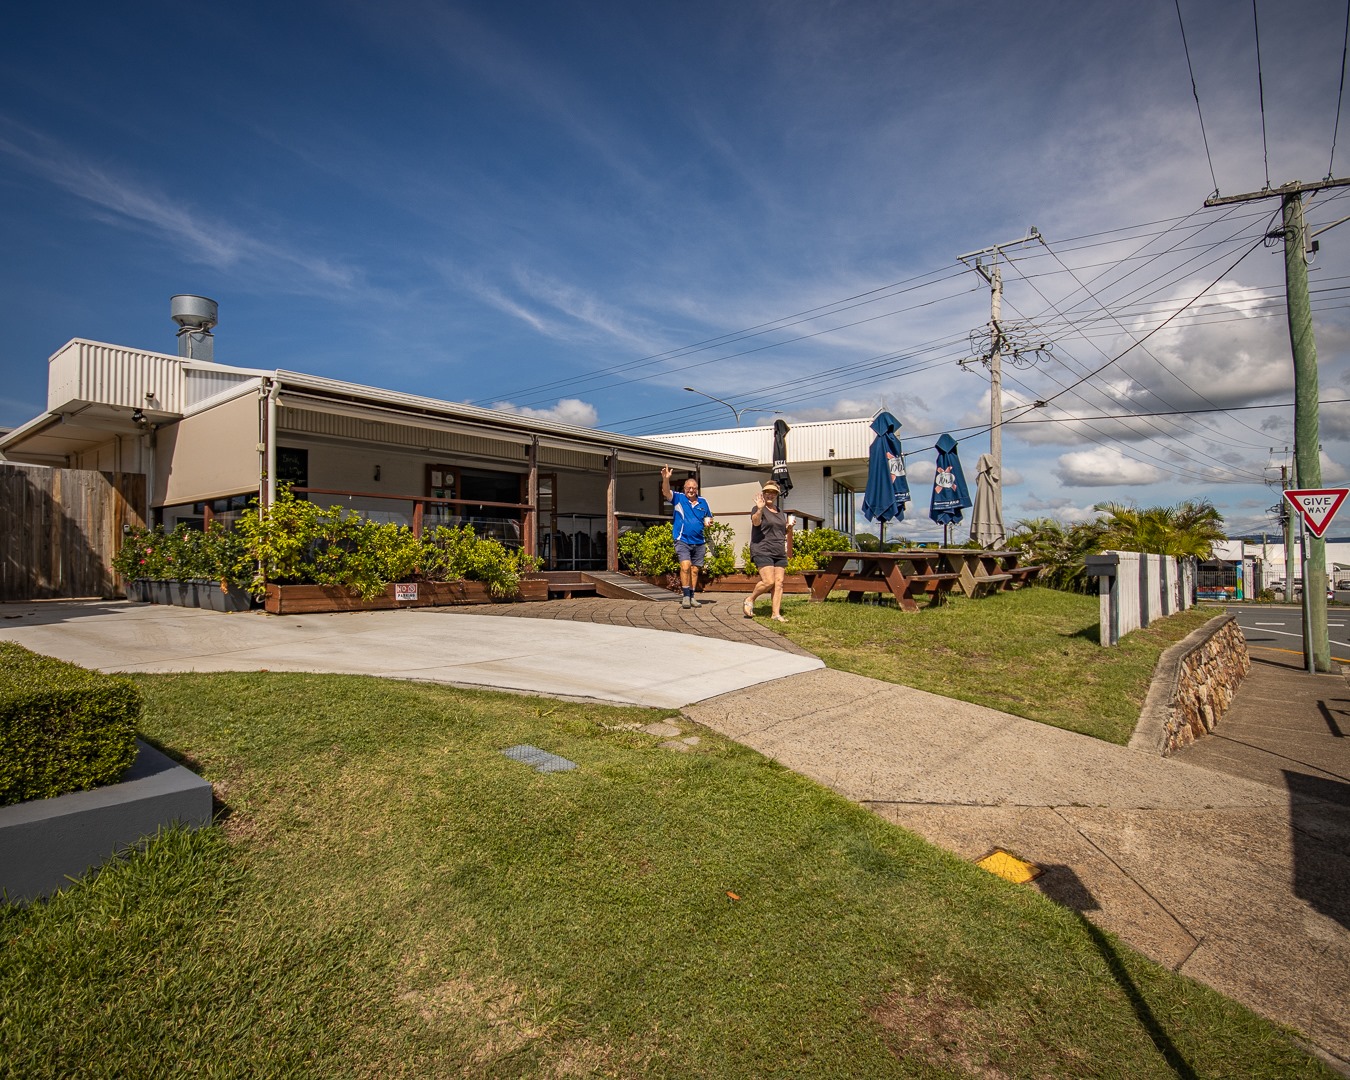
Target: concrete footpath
column 1227, row 862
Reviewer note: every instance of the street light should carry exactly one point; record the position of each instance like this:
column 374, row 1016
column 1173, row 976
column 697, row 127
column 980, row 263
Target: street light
column 734, row 411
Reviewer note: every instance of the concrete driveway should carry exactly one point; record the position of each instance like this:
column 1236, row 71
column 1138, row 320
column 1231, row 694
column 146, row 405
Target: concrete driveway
column 561, row 659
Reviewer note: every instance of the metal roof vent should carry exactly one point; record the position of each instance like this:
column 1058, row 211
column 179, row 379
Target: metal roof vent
column 195, row 315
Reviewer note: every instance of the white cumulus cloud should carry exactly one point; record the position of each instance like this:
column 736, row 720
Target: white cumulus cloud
column 572, row 411
column 1103, row 467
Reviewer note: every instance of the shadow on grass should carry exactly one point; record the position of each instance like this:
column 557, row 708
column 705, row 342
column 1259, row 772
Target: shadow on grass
column 1062, row 885
column 1091, row 632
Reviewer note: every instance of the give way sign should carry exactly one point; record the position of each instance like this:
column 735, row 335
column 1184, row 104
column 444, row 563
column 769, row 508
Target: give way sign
column 1317, row 507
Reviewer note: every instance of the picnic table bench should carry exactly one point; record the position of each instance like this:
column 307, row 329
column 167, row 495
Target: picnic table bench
column 1020, row 575
column 904, row 574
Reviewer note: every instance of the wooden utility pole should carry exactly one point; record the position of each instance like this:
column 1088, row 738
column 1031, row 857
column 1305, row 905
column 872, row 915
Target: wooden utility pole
column 998, row 342
column 1307, row 440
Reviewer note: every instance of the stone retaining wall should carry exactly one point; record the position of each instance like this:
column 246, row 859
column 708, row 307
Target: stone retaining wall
column 1193, row 685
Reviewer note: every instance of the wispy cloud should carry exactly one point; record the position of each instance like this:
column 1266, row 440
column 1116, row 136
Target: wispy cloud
column 129, row 203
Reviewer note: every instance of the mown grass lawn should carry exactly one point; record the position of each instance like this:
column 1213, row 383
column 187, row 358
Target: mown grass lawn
column 387, row 895
column 1033, row 653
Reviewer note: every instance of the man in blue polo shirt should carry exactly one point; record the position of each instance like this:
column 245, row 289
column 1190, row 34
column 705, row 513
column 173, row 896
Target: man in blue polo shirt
column 692, row 513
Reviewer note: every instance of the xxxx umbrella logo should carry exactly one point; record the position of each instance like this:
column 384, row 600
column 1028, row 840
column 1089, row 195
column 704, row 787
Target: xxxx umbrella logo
column 943, row 479
column 895, row 465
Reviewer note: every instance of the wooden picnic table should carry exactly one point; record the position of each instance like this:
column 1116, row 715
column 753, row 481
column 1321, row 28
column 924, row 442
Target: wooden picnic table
column 983, row 572
column 904, row 574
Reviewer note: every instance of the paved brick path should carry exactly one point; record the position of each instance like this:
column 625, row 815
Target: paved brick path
column 719, row 617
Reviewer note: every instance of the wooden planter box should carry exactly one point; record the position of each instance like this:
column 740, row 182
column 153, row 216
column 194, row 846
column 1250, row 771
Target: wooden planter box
column 737, row 583
column 311, row 599
column 743, row 583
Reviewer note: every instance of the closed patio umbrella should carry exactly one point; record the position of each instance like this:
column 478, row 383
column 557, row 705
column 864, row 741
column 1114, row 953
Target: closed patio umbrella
column 780, row 469
column 887, row 489
column 949, row 485
column 986, row 519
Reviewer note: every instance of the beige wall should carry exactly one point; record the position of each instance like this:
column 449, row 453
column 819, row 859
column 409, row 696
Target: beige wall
column 208, row 455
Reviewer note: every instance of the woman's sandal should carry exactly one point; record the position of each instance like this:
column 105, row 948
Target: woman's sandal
column 779, row 618
column 749, row 608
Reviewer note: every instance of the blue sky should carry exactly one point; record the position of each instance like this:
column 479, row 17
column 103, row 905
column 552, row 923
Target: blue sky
column 579, row 209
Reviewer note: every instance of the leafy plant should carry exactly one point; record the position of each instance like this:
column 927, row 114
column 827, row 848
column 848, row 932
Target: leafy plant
column 1061, row 549
column 721, row 557
column 451, row 554
column 806, row 546
column 650, row 552
column 215, row 553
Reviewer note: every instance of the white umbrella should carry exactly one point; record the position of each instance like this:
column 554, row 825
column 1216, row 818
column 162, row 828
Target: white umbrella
column 986, row 518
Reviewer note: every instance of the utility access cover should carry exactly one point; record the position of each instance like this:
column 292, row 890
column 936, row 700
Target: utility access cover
column 539, row 759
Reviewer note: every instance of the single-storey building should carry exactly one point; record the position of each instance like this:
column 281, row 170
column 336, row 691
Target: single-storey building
column 827, row 461
column 210, row 438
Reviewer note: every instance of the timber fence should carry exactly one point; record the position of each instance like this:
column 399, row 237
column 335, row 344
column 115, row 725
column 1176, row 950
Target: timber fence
column 60, row 528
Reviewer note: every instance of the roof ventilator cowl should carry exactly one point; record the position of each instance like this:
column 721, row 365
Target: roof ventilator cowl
column 195, row 316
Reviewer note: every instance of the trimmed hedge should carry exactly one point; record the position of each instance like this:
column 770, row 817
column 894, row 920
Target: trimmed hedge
column 63, row 728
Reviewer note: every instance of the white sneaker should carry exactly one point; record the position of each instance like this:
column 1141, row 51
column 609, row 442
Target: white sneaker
column 686, row 602
column 695, row 603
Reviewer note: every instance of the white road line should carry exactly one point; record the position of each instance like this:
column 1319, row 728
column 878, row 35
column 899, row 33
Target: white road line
column 1270, row 624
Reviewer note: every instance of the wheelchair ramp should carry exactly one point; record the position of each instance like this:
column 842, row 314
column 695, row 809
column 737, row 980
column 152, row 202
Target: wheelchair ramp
column 622, row 587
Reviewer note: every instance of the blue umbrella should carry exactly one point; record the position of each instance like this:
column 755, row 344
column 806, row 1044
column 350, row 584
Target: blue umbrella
column 887, row 486
column 949, row 485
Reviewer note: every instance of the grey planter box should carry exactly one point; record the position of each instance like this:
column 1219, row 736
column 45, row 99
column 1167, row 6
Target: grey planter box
column 210, row 595
column 46, row 842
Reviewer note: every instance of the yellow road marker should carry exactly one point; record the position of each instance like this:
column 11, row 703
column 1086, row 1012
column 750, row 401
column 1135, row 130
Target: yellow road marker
column 1009, row 867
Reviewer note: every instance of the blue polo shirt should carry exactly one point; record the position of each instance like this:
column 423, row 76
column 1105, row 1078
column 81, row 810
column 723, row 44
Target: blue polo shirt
column 687, row 525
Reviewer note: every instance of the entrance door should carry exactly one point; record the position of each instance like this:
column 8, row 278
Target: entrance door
column 547, row 519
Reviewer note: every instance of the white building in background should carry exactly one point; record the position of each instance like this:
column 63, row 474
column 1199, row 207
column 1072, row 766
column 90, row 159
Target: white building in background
column 827, row 461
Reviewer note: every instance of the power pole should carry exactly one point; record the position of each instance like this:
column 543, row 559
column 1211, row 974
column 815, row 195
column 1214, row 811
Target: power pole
column 1307, row 441
column 1287, row 524
column 1001, row 342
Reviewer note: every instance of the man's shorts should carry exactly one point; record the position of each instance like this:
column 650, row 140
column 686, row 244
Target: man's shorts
column 690, row 553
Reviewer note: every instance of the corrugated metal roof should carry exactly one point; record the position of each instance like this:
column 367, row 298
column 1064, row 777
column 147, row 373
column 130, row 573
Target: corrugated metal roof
column 91, row 371
column 821, row 440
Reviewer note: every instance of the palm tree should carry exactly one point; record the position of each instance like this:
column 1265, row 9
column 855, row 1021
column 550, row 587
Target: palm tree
column 1061, row 550
column 1190, row 528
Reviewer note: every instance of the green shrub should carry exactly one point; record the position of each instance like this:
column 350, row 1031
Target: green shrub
column 62, row 728
column 216, row 554
column 453, row 554
column 651, row 553
column 298, row 542
column 806, row 546
column 721, row 557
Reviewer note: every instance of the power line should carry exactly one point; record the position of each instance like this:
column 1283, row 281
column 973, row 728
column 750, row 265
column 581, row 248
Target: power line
column 1177, row 412
column 1345, row 43
column 1196, row 94
column 1261, row 88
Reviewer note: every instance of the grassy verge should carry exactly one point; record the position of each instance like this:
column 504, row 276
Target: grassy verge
column 1032, row 653
column 388, row 895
